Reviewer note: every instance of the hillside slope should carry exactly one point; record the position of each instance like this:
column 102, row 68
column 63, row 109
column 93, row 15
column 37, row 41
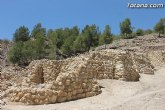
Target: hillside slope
column 146, row 94
column 4, row 48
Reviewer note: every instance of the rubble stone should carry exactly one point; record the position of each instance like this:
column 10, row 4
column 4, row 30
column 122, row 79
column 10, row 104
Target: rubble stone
column 52, row 81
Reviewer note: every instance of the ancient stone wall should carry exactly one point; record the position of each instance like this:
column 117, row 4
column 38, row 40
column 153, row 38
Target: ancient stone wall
column 112, row 65
column 157, row 58
column 116, row 64
column 142, row 63
column 51, row 81
column 65, row 83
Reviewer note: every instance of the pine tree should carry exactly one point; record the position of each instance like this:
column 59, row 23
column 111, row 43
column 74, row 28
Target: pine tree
column 160, row 27
column 106, row 37
column 21, row 34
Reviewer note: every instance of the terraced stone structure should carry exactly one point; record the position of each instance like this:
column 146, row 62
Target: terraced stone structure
column 51, row 81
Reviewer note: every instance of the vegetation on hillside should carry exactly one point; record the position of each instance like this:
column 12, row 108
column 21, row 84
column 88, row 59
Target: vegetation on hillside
column 65, row 42
column 160, row 26
column 55, row 44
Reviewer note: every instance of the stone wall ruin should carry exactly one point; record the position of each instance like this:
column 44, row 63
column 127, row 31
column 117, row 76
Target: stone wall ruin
column 51, row 81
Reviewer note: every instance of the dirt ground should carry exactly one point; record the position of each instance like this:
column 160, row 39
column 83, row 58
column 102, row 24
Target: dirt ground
column 146, row 94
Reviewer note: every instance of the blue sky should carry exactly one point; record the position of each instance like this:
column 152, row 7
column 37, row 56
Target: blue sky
column 67, row 13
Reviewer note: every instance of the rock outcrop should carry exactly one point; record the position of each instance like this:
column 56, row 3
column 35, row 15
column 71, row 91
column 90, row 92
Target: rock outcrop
column 51, row 81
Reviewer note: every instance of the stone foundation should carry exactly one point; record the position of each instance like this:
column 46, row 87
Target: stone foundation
column 51, row 81
column 157, row 58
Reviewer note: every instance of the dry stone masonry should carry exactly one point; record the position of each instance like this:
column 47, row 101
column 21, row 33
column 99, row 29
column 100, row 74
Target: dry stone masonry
column 51, row 81
column 55, row 81
column 157, row 58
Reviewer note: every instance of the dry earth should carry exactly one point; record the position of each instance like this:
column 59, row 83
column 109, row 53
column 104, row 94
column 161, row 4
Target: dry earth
column 146, row 94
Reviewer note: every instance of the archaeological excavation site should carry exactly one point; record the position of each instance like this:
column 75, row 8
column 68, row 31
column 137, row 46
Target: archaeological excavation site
column 114, row 73
column 82, row 55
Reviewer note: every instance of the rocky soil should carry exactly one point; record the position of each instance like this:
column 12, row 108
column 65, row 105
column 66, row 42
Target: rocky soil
column 4, row 48
column 141, row 60
column 139, row 44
